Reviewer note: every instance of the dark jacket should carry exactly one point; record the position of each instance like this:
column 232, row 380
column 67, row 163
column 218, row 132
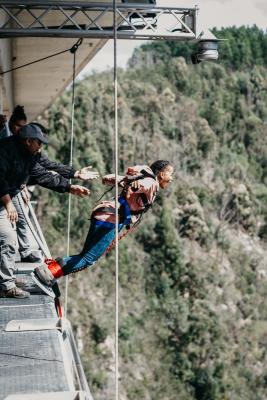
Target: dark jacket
column 43, row 162
column 17, row 165
column 63, row 170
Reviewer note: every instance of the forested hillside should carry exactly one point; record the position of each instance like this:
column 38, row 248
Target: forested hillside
column 193, row 278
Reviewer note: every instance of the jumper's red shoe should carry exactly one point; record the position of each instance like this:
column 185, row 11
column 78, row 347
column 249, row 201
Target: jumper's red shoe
column 54, row 267
column 46, row 275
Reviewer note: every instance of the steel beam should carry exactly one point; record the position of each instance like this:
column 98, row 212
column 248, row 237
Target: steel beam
column 94, row 20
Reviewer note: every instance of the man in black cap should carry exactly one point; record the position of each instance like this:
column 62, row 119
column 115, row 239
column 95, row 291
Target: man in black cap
column 19, row 162
column 17, row 120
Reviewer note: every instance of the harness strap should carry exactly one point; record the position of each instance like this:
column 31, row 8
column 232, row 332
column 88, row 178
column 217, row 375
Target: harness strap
column 146, row 203
column 122, row 212
column 104, row 223
column 105, row 209
column 143, row 174
column 126, row 211
column 147, row 174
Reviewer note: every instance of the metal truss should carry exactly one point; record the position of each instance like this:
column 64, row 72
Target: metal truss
column 94, row 20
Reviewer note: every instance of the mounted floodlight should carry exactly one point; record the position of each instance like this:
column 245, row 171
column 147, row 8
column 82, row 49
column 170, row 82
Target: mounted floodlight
column 207, row 49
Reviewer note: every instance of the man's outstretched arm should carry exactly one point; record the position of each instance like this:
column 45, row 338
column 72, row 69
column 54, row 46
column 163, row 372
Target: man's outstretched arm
column 85, row 173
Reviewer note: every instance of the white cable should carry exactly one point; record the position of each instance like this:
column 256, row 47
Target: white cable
column 71, row 163
column 116, row 205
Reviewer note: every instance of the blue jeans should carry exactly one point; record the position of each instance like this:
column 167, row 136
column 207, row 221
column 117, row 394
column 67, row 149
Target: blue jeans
column 97, row 241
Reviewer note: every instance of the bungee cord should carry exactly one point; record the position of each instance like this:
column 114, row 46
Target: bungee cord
column 73, row 51
column 115, row 38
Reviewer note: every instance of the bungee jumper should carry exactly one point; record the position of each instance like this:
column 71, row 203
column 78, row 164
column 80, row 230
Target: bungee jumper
column 139, row 189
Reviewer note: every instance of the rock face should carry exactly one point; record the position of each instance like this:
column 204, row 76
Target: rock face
column 238, row 206
column 191, row 219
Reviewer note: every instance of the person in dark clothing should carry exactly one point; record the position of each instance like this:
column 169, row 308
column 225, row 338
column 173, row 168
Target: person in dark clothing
column 17, row 120
column 19, row 156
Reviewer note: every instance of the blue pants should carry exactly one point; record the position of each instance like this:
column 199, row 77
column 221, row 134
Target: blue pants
column 97, row 241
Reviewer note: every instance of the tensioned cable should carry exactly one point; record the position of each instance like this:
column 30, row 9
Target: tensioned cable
column 35, row 61
column 115, row 37
column 73, row 51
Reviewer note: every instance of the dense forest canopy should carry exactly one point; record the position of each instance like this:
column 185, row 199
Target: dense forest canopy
column 193, row 278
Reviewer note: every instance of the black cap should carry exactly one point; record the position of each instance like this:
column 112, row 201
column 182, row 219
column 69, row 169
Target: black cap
column 32, row 131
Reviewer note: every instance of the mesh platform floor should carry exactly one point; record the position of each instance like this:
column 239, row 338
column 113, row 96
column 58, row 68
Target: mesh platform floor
column 30, row 361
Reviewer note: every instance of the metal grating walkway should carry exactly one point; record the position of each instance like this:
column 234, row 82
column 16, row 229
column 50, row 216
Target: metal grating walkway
column 38, row 354
column 31, row 361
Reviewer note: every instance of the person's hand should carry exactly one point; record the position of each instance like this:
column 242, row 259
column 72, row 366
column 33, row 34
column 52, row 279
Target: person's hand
column 80, row 191
column 134, row 186
column 85, row 174
column 11, row 212
column 25, row 195
column 131, row 171
column 3, row 120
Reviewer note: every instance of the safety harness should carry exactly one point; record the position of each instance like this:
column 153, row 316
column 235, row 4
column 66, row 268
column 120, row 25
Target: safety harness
column 125, row 213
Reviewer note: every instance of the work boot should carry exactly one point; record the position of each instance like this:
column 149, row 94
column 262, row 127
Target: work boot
column 49, row 272
column 20, row 282
column 31, row 258
column 44, row 279
column 15, row 292
column 44, row 274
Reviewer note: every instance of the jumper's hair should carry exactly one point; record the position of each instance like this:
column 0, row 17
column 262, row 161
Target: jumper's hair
column 159, row 166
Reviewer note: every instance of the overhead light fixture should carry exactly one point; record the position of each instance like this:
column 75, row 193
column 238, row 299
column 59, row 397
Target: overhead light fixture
column 207, row 48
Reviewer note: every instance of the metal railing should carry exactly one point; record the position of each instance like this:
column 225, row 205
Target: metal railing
column 34, row 226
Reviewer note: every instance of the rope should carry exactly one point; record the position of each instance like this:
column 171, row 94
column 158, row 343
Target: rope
column 73, row 51
column 116, row 205
column 125, row 233
column 39, row 60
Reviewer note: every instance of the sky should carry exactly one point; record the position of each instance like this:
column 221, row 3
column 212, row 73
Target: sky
column 212, row 13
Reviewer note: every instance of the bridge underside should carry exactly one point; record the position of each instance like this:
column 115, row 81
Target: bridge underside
column 32, row 30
